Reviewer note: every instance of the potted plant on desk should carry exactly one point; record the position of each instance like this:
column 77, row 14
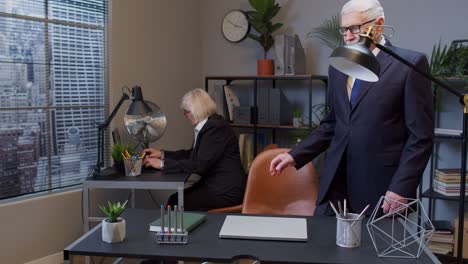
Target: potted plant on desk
column 113, row 227
column 118, row 152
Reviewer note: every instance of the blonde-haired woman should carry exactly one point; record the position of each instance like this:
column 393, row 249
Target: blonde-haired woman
column 214, row 156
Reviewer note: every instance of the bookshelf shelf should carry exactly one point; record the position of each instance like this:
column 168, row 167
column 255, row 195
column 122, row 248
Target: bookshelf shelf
column 273, row 79
column 449, row 259
column 435, row 195
column 445, row 137
column 441, row 135
column 271, row 126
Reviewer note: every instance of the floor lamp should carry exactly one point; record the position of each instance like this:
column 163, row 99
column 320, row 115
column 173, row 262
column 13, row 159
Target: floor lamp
column 358, row 61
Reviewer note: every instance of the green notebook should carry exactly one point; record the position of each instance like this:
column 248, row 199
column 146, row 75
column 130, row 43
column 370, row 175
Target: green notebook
column 191, row 220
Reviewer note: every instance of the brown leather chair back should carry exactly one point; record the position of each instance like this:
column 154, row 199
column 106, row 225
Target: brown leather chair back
column 293, row 192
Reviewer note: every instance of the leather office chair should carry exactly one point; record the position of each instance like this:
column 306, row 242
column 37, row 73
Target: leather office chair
column 294, row 192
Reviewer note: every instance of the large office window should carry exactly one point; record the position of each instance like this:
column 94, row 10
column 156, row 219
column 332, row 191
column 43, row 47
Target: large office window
column 53, row 92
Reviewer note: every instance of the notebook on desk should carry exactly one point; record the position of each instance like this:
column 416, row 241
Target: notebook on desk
column 191, row 220
column 264, row 228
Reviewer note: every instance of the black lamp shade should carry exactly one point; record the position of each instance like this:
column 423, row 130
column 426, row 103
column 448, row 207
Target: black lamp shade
column 356, row 60
column 138, row 106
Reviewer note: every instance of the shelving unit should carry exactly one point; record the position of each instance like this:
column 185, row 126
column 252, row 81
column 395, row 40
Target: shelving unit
column 460, row 86
column 274, row 78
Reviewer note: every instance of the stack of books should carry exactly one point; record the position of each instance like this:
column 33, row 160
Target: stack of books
column 447, row 182
column 442, row 240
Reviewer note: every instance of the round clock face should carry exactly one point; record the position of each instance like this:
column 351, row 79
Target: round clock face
column 235, row 26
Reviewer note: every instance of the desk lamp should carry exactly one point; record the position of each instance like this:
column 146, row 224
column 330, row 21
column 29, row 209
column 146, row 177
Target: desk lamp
column 144, row 112
column 358, row 61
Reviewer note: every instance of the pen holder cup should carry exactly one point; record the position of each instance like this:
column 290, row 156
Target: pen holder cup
column 133, row 166
column 348, row 230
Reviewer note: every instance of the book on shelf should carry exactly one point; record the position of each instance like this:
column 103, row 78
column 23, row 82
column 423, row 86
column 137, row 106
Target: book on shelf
column 449, row 179
column 440, row 248
column 448, row 192
column 191, row 220
column 448, row 132
column 232, row 101
column 455, row 172
column 217, row 94
column 442, row 238
column 246, row 150
column 448, row 185
column 465, row 237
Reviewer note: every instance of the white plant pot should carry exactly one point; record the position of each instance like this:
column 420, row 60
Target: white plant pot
column 113, row 232
column 297, row 122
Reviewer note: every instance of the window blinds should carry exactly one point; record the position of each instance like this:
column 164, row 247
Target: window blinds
column 53, row 92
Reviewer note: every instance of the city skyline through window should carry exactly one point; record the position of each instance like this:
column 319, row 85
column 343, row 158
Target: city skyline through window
column 53, row 87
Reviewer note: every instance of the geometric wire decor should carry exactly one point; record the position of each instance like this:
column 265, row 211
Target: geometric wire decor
column 408, row 233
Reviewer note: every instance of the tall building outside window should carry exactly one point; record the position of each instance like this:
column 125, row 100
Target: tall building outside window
column 53, row 92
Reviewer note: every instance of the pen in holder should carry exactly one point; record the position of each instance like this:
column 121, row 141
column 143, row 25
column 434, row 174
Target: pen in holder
column 348, row 226
column 175, row 232
column 348, row 230
column 133, row 166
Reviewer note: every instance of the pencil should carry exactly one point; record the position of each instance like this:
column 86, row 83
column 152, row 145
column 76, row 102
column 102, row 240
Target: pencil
column 334, row 209
column 362, row 212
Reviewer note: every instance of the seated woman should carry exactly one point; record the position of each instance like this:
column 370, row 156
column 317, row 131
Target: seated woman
column 214, row 156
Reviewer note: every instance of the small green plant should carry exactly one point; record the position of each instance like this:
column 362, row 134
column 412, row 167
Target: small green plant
column 260, row 19
column 118, row 149
column 297, row 112
column 328, row 32
column 113, row 210
column 449, row 61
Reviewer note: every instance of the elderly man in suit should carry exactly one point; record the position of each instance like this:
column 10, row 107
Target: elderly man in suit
column 378, row 136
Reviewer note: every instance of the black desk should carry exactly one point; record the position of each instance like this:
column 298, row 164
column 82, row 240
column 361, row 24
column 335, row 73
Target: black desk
column 205, row 245
column 149, row 179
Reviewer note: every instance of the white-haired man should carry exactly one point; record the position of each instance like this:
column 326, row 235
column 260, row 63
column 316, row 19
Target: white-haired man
column 378, row 136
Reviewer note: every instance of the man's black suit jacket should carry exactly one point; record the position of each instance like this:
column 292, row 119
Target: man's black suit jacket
column 387, row 136
column 215, row 158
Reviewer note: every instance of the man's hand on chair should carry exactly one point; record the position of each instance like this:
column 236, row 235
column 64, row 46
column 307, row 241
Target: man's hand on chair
column 280, row 162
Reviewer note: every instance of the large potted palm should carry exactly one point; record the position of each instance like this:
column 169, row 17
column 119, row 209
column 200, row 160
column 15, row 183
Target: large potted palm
column 328, row 32
column 260, row 19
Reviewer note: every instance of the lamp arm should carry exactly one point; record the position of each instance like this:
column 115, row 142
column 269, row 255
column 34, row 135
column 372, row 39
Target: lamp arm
column 428, row 76
column 101, row 128
column 114, row 112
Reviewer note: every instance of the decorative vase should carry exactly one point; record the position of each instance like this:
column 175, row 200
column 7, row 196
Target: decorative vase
column 265, row 67
column 113, row 232
column 297, row 122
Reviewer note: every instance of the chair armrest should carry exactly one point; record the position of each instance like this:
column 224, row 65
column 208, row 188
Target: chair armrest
column 231, row 209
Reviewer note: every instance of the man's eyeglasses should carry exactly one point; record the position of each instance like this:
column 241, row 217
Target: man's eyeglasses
column 354, row 29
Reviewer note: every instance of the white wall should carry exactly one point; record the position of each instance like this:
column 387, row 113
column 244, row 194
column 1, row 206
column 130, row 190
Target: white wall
column 38, row 227
column 157, row 45
column 419, row 24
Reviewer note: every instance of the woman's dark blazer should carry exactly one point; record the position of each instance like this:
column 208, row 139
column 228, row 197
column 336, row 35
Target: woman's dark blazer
column 215, row 158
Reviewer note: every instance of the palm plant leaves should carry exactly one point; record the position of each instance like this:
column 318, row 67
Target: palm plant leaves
column 440, row 59
column 328, row 32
